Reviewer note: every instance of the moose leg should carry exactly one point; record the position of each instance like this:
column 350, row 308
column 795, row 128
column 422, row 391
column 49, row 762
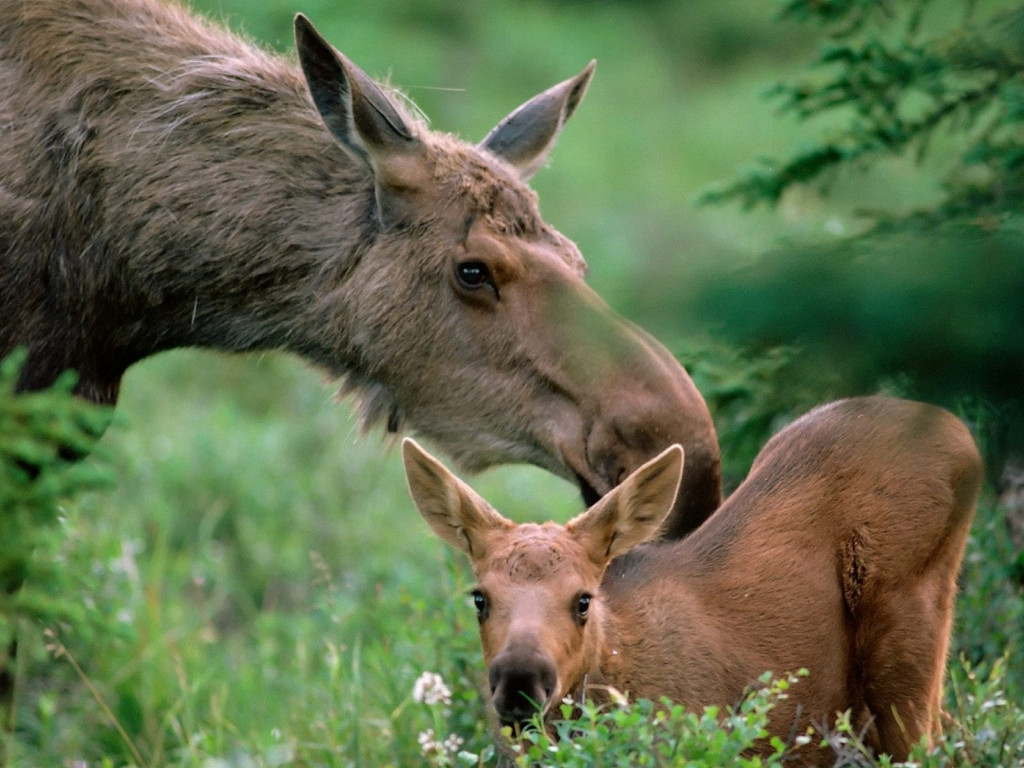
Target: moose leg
column 904, row 654
column 903, row 630
column 904, row 614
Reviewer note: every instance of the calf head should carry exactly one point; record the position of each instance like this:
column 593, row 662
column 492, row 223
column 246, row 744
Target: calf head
column 538, row 597
column 474, row 325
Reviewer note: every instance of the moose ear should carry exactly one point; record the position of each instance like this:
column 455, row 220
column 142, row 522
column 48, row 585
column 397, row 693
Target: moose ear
column 632, row 512
column 456, row 513
column 526, row 136
column 360, row 116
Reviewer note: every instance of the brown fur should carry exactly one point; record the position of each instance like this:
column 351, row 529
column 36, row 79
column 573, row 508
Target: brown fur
column 838, row 554
column 165, row 184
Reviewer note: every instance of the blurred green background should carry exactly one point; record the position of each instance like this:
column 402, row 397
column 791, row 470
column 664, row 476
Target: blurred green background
column 260, row 590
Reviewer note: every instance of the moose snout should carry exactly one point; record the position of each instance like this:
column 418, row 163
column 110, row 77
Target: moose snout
column 522, row 682
column 655, row 407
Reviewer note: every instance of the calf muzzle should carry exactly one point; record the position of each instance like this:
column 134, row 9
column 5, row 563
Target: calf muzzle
column 522, row 682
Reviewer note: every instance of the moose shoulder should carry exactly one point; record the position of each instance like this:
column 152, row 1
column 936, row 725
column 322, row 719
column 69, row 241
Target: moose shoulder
column 838, row 554
column 165, row 184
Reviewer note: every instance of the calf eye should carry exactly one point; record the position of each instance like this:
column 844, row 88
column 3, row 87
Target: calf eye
column 480, row 603
column 582, row 607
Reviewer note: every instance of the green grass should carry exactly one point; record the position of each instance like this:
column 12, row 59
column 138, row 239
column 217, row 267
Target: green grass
column 258, row 582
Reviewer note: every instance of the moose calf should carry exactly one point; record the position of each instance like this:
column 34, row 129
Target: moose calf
column 838, row 554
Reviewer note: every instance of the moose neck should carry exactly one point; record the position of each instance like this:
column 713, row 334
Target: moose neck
column 204, row 206
column 634, row 618
column 614, row 637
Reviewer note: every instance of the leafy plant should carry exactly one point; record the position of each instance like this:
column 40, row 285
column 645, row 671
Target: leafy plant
column 926, row 298
column 751, row 395
column 662, row 734
column 41, row 434
column 903, row 72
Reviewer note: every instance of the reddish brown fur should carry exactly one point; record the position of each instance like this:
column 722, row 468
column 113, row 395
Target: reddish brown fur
column 838, row 554
column 166, row 184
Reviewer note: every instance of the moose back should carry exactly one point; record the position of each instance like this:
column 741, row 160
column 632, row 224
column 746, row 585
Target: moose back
column 166, row 184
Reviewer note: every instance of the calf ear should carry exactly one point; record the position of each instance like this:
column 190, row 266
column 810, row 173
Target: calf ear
column 361, row 118
column 526, row 136
column 633, row 512
column 451, row 508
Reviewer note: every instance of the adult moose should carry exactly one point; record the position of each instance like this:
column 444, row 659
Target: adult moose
column 165, row 184
column 838, row 553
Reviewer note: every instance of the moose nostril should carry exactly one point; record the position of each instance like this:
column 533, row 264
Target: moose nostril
column 494, row 677
column 616, row 446
column 548, row 681
column 589, row 493
column 520, row 685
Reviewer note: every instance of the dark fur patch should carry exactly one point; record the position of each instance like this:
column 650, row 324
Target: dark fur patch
column 855, row 572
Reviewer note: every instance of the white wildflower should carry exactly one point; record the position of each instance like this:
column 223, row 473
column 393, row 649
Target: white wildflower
column 431, row 689
column 438, row 752
column 452, row 743
column 427, row 743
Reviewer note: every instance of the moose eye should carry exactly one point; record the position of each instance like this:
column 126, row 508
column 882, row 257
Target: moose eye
column 473, row 275
column 582, row 607
column 480, row 603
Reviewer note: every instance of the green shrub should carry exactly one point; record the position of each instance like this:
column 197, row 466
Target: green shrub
column 41, row 436
column 929, row 295
column 660, row 734
column 986, row 728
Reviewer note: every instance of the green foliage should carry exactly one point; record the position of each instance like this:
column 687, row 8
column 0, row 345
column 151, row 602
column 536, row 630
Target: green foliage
column 934, row 310
column 925, row 302
column 40, row 434
column 986, row 729
column 661, row 734
column 987, row 725
column 991, row 604
column 902, row 73
column 751, row 396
